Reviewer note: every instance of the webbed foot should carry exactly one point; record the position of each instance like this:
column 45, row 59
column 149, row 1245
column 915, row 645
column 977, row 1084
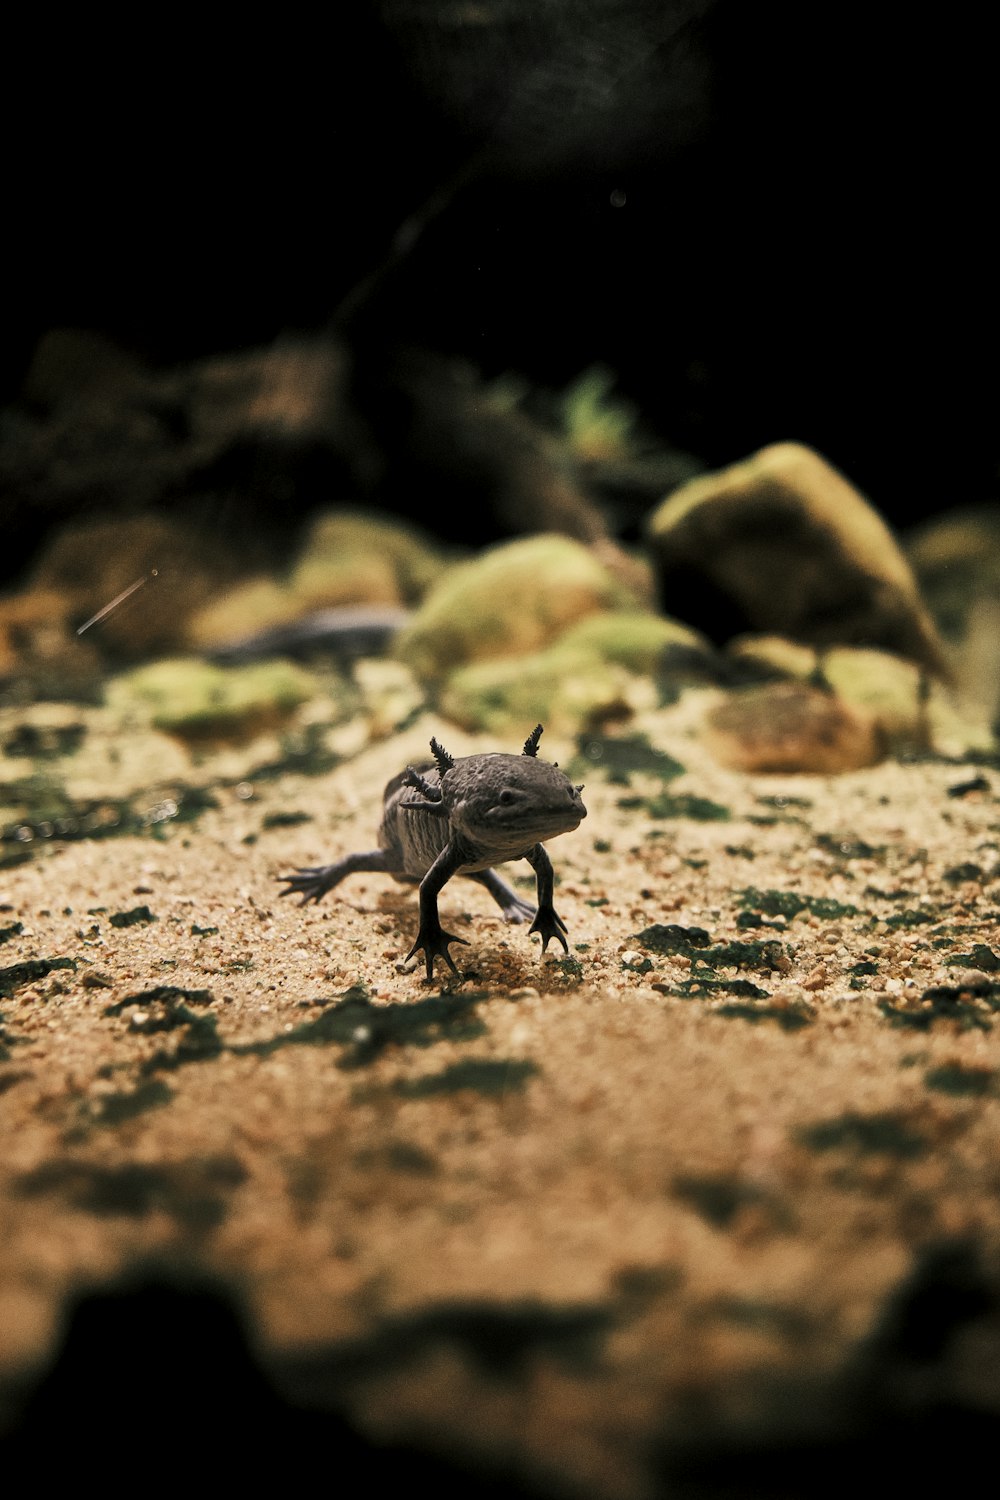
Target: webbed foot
column 434, row 942
column 548, row 924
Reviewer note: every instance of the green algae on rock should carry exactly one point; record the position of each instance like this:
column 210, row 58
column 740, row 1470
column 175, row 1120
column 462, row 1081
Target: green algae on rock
column 567, row 690
column 634, row 639
column 597, row 670
column 514, row 598
column 913, row 710
column 135, row 917
column 775, row 654
column 198, row 702
column 696, row 944
column 679, row 805
column 789, row 904
column 356, row 556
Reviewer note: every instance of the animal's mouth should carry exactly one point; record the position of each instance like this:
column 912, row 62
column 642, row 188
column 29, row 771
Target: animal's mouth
column 544, row 824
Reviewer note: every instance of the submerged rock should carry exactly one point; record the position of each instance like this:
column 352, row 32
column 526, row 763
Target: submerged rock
column 512, row 599
column 956, row 558
column 775, row 654
column 349, row 560
column 351, row 557
column 599, row 671
column 634, row 639
column 341, row 635
column 173, row 567
column 199, row 702
column 913, row 710
column 895, row 692
column 783, row 544
column 792, row 726
column 570, row 689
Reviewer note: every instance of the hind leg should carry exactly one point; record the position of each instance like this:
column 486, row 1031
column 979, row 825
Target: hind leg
column 509, row 902
column 312, row 884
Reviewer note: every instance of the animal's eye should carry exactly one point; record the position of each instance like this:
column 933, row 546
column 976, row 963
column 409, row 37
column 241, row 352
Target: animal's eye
column 506, row 797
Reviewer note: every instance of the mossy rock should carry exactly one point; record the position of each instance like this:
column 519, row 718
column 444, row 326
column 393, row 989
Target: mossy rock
column 956, row 557
column 568, row 689
column 892, row 690
column 258, row 604
column 634, row 639
column 347, row 558
column 912, row 710
column 592, row 673
column 352, row 557
column 783, row 544
column 777, row 653
column 513, row 599
column 199, row 702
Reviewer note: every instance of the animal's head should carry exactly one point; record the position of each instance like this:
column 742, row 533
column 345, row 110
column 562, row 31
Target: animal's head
column 504, row 801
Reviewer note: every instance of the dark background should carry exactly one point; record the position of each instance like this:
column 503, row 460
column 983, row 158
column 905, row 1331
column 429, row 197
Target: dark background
column 802, row 250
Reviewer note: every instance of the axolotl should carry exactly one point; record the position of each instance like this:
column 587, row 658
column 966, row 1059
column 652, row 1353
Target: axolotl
column 462, row 816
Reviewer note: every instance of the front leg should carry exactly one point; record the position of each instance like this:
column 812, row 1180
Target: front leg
column 432, row 938
column 314, row 883
column 547, row 922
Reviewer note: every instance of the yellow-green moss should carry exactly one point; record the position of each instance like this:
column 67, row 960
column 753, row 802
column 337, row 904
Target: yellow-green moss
column 258, row 604
column 197, row 701
column 886, row 686
column 512, row 599
column 565, row 688
column 634, row 639
column 790, row 658
column 350, row 557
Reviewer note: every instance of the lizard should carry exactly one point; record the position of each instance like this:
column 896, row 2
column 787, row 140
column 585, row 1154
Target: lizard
column 461, row 816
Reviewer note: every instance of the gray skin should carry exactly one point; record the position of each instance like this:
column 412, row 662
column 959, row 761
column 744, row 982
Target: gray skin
column 461, row 817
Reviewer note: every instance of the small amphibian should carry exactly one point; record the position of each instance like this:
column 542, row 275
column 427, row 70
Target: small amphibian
column 462, row 816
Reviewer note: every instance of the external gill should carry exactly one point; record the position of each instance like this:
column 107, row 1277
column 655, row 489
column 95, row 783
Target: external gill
column 432, row 802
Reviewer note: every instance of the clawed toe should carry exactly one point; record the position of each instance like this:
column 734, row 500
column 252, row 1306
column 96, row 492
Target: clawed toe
column 435, row 945
column 548, row 924
column 309, row 884
column 519, row 911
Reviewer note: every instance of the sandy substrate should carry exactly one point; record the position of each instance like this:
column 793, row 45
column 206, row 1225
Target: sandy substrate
column 689, row 1189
